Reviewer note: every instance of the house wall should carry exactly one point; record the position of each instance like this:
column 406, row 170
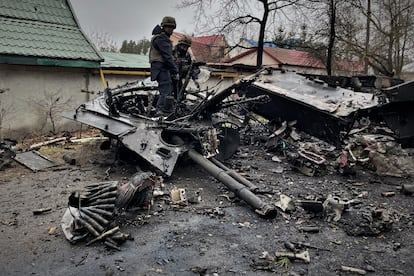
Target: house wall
column 407, row 76
column 304, row 70
column 117, row 79
column 250, row 60
column 242, row 46
column 30, row 92
column 344, row 73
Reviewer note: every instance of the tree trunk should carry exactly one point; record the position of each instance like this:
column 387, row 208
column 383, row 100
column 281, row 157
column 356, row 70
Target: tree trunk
column 259, row 60
column 367, row 36
column 332, row 10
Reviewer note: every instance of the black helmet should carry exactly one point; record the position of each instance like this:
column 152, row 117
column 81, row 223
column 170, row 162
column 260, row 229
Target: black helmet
column 185, row 40
column 168, row 21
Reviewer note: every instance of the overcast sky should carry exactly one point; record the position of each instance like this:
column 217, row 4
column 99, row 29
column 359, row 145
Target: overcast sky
column 129, row 19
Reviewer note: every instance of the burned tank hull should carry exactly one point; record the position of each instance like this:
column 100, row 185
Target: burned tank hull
column 329, row 112
column 200, row 121
column 198, row 128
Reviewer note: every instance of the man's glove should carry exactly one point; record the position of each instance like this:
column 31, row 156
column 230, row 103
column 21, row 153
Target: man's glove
column 175, row 77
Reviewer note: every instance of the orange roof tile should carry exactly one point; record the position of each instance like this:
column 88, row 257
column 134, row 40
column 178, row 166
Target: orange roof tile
column 217, row 39
column 285, row 57
column 204, row 48
column 294, row 57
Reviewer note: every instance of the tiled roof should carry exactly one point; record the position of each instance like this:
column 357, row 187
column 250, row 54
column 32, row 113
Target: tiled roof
column 294, row 57
column 218, row 40
column 42, row 39
column 50, row 11
column 207, row 48
column 285, row 57
column 242, row 54
column 125, row 61
column 42, row 28
column 202, row 52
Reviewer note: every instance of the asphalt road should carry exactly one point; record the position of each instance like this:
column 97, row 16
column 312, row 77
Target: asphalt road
column 217, row 235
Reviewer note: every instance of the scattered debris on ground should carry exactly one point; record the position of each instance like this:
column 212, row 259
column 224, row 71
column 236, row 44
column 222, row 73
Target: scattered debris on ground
column 92, row 213
column 279, row 200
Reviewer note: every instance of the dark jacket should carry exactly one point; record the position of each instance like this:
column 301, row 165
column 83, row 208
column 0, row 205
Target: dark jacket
column 160, row 55
column 182, row 59
column 184, row 63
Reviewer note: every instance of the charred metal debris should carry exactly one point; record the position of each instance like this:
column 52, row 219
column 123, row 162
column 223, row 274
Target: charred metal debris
column 92, row 213
column 206, row 119
column 210, row 121
column 208, row 125
column 203, row 126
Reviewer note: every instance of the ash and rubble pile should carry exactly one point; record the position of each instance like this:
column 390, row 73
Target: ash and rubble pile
column 366, row 148
column 369, row 148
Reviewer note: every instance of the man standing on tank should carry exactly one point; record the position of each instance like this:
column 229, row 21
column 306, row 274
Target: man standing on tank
column 163, row 66
column 185, row 66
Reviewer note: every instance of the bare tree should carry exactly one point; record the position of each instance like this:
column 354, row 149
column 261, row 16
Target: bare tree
column 50, row 108
column 5, row 111
column 325, row 17
column 237, row 16
column 388, row 33
column 103, row 42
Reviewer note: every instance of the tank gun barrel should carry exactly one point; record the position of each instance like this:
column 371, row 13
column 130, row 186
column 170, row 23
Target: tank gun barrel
column 240, row 190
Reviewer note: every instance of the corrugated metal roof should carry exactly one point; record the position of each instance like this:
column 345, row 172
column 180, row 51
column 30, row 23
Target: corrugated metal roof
column 42, row 28
column 125, row 61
